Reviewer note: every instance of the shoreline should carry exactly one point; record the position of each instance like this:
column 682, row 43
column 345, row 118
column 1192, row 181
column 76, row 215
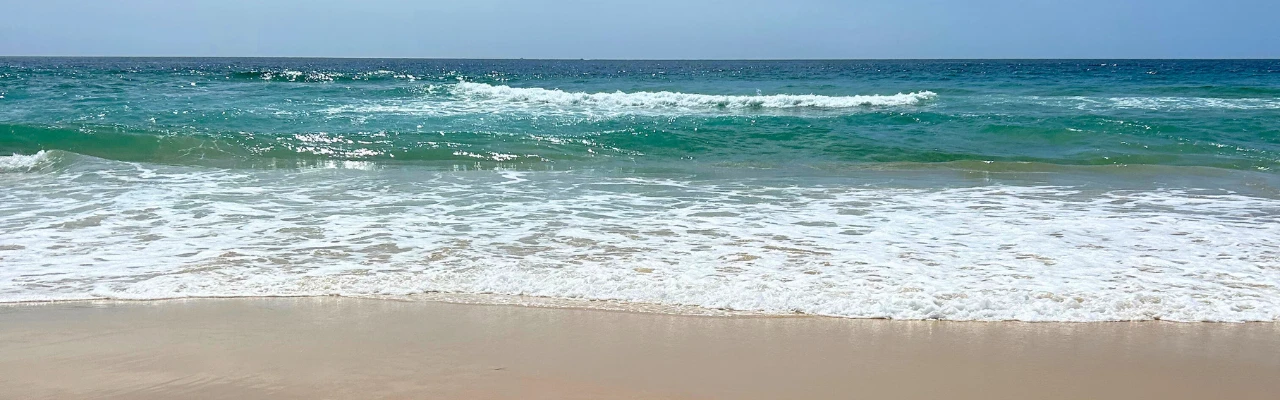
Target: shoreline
column 469, row 299
column 555, row 303
column 350, row 348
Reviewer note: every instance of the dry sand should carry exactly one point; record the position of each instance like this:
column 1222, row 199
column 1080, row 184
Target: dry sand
column 342, row 348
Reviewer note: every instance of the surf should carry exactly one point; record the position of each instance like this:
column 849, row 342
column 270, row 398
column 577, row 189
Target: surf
column 667, row 99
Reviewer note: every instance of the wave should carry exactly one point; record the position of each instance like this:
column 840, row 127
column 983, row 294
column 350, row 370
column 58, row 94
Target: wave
column 1193, row 103
column 284, row 150
column 682, row 100
column 471, row 98
column 1223, row 91
column 601, row 146
column 1162, row 103
column 288, row 75
column 24, row 162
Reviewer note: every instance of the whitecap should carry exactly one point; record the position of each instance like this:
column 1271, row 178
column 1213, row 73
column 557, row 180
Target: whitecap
column 682, row 100
column 23, row 163
column 465, row 98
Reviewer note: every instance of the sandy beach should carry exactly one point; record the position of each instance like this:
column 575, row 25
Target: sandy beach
column 345, row 348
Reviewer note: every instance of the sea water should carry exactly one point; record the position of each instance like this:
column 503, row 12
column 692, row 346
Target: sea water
column 1077, row 190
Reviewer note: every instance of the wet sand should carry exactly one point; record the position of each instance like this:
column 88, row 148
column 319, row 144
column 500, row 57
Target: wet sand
column 342, row 348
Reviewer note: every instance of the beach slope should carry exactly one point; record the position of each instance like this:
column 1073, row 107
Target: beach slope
column 345, row 348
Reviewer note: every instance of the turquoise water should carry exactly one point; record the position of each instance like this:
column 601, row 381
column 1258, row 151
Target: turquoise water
column 252, row 112
column 1033, row 190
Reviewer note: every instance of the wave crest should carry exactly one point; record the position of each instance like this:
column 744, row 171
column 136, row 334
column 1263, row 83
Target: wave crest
column 288, row 75
column 23, row 162
column 1096, row 104
column 682, row 100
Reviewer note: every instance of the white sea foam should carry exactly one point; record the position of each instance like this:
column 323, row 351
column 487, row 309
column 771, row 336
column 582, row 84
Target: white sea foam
column 1156, row 103
column 979, row 253
column 681, row 100
column 1193, row 103
column 480, row 98
column 23, row 163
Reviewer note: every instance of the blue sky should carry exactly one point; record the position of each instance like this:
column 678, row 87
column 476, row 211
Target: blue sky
column 663, row 29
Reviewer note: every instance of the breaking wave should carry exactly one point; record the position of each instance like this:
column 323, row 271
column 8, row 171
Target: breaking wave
column 23, row 163
column 683, row 100
column 465, row 98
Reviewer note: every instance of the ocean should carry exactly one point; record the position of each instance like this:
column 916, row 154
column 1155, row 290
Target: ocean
column 1033, row 190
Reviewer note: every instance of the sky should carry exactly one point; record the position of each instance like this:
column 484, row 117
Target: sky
column 650, row 29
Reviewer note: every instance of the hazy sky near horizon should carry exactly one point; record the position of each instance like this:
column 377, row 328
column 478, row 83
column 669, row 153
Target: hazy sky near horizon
column 645, row 29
